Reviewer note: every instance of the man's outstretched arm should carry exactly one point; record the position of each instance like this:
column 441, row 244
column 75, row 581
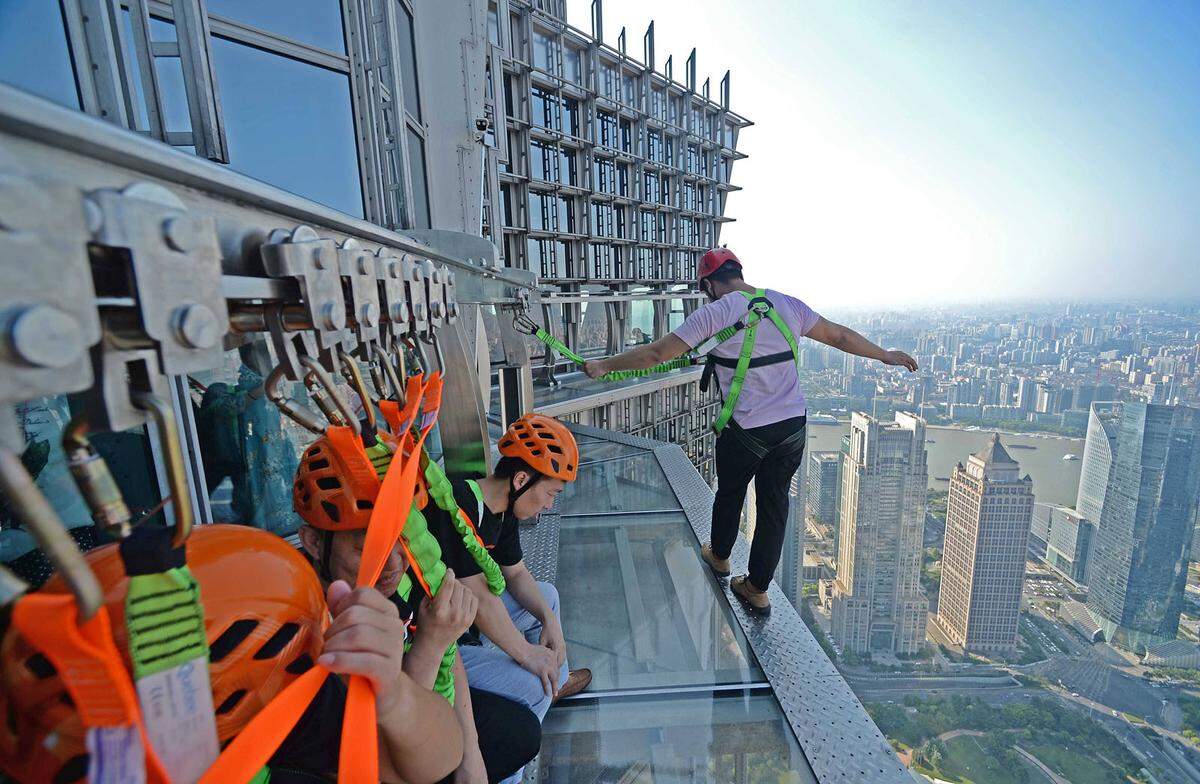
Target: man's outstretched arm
column 638, row 358
column 845, row 339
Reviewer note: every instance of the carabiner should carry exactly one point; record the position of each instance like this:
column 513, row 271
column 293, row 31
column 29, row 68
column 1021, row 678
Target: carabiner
column 44, row 524
column 329, row 388
column 289, row 406
column 352, row 374
column 94, row 480
column 437, row 354
column 523, row 323
column 389, row 370
column 168, row 439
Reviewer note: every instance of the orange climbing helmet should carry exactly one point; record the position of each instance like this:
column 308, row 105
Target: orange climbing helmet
column 338, row 480
column 545, row 444
column 262, row 634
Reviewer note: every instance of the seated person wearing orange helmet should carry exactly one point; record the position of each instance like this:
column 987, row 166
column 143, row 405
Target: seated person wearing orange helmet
column 499, row 735
column 266, row 622
column 516, row 647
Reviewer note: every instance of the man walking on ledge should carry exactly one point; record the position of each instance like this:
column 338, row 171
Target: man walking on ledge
column 750, row 336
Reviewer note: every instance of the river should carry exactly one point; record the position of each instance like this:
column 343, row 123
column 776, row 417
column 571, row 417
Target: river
column 1055, row 480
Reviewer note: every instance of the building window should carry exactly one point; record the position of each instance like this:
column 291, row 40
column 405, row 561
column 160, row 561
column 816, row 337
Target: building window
column 34, row 54
column 408, row 63
column 543, row 161
column 570, row 116
column 606, row 129
column 314, row 22
column 568, row 169
column 626, row 136
column 544, row 48
column 420, row 187
column 545, row 109
column 573, row 65
column 278, row 112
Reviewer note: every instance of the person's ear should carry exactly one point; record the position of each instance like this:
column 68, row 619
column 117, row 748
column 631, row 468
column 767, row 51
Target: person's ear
column 520, row 479
column 310, row 540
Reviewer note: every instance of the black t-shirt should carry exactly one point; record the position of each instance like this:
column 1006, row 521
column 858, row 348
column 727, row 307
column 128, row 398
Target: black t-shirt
column 310, row 751
column 500, row 534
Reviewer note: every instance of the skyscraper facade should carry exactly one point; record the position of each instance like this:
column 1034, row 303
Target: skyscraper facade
column 1143, row 542
column 877, row 603
column 983, row 561
column 824, row 469
column 790, row 572
column 1098, row 451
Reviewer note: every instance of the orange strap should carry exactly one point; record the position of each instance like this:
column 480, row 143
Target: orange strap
column 88, row 663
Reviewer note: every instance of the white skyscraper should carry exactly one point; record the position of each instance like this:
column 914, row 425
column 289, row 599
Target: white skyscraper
column 878, row 604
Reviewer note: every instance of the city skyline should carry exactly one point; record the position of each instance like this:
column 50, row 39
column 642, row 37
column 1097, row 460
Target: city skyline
column 947, row 153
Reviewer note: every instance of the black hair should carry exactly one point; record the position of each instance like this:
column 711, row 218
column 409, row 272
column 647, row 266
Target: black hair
column 728, row 271
column 508, row 467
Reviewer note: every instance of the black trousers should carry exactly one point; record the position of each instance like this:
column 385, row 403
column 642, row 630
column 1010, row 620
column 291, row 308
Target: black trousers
column 509, row 734
column 770, row 456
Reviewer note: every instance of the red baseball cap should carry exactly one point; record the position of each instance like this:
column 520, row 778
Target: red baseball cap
column 714, row 259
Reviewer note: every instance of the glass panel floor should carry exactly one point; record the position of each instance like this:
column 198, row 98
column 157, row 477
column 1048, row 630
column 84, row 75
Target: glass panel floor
column 723, row 737
column 628, row 484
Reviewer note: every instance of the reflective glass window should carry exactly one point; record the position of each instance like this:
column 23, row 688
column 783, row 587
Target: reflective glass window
column 314, row 22
column 573, row 65
column 493, row 25
column 593, row 324
column 568, row 169
column 420, row 187
column 570, row 116
column 543, row 52
column 289, row 124
column 34, row 54
column 408, row 63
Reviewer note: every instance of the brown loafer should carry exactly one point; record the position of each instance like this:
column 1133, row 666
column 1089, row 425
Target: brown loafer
column 577, row 681
column 720, row 566
column 754, row 600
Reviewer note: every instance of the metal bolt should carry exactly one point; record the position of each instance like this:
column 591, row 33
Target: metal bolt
column 394, row 269
column 370, row 315
column 181, row 233
column 327, row 317
column 436, row 309
column 45, row 337
column 318, row 259
column 196, row 326
column 420, row 308
column 364, row 265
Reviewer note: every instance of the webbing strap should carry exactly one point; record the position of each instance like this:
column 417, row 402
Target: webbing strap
column 616, row 375
column 90, row 667
column 758, row 307
column 442, row 493
column 443, row 683
column 165, row 621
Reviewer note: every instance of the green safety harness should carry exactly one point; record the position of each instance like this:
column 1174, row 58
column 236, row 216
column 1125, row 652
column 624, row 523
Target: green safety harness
column 427, row 553
column 758, row 308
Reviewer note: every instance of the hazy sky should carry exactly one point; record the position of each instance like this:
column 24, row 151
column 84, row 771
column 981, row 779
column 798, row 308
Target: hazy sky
column 920, row 152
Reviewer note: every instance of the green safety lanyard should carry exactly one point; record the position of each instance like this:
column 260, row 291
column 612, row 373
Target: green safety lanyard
column 758, row 307
column 687, row 360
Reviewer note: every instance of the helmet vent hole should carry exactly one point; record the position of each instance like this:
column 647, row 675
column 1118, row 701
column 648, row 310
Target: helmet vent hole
column 72, row 770
column 555, row 448
column 40, row 666
column 231, row 702
column 332, row 511
column 313, row 451
column 364, row 504
column 317, row 465
column 301, row 665
column 279, row 639
column 231, row 638
column 65, row 699
column 329, row 483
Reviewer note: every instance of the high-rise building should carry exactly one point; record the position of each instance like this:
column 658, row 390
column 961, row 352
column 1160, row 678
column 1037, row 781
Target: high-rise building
column 1027, row 394
column 877, row 603
column 1142, row 543
column 1098, row 450
column 1069, row 543
column 824, row 472
column 790, row 571
column 983, row 560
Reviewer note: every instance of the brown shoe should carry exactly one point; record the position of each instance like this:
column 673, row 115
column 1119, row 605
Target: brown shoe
column 755, row 601
column 720, row 566
column 577, row 681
